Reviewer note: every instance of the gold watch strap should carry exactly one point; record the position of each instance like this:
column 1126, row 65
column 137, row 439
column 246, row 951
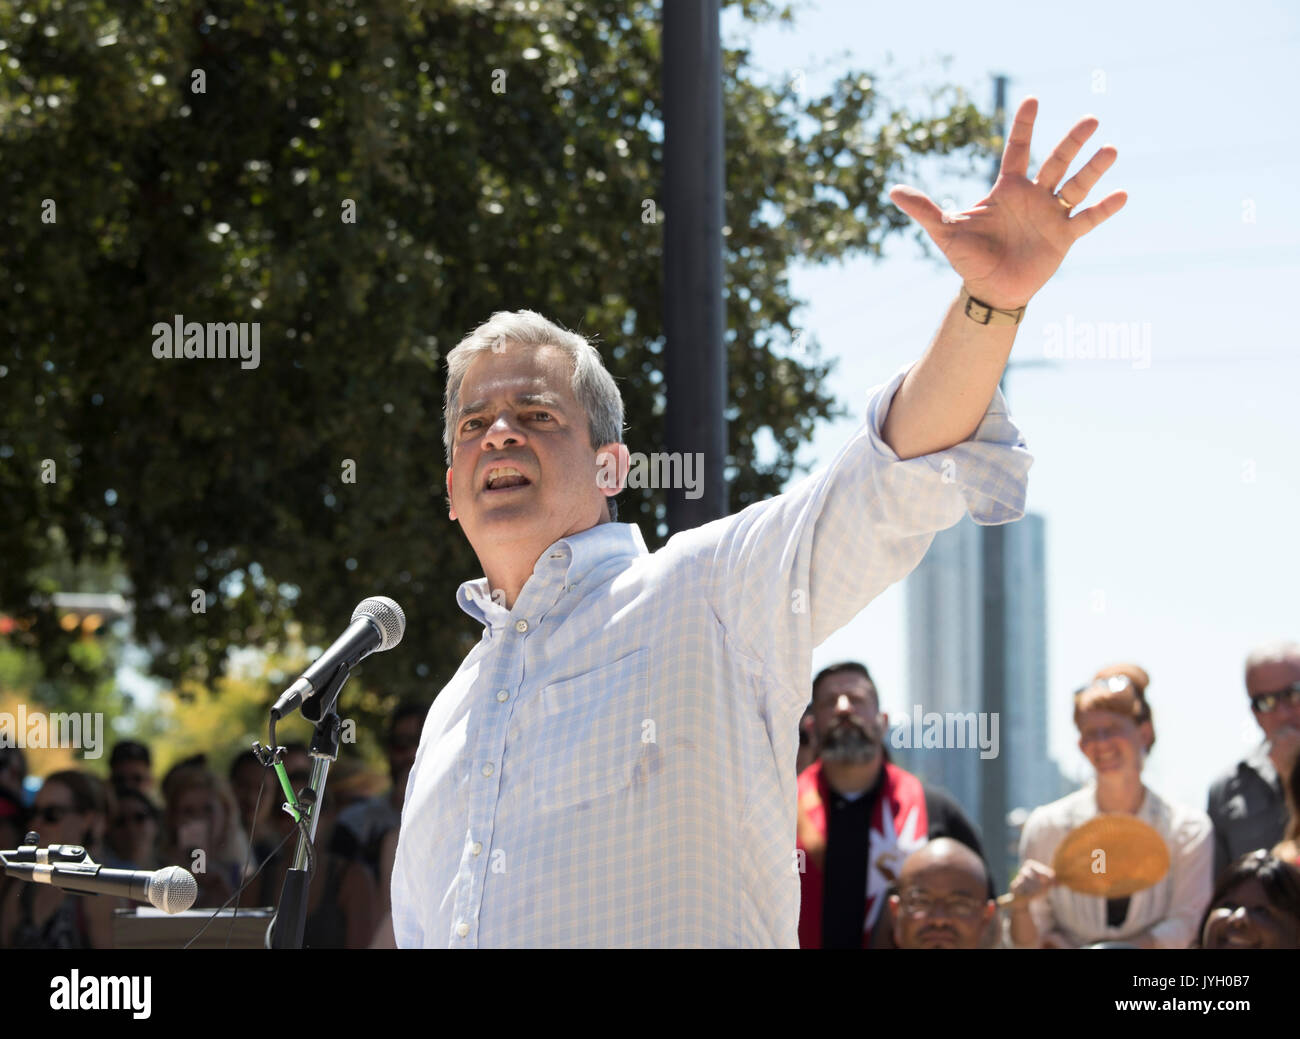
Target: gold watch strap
column 983, row 314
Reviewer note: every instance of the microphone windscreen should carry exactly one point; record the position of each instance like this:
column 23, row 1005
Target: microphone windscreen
column 172, row 889
column 385, row 613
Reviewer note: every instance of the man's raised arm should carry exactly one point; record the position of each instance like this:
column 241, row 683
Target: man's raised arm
column 1005, row 248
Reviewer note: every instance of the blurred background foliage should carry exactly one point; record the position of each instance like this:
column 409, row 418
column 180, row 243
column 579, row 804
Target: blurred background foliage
column 173, row 477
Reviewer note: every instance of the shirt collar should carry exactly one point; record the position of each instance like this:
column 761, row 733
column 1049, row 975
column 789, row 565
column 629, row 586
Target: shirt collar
column 1087, row 807
column 576, row 556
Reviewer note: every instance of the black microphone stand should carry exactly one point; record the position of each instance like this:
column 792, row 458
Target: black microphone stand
column 290, row 921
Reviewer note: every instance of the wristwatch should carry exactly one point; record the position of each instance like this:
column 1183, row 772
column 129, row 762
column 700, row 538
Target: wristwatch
column 983, row 314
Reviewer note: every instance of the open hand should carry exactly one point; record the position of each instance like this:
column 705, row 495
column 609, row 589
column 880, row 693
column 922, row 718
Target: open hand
column 1007, row 245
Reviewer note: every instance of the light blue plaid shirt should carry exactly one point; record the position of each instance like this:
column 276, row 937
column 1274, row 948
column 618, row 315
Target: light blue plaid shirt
column 614, row 763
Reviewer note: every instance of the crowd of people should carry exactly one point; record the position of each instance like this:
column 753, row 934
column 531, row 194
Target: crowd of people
column 886, row 860
column 228, row 829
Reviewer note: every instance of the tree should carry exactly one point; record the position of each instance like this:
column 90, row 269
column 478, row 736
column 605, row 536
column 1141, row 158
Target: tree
column 367, row 183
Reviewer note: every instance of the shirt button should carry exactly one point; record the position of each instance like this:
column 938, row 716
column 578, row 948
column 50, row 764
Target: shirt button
column 487, row 770
column 521, row 626
column 503, row 695
column 462, row 929
column 476, row 847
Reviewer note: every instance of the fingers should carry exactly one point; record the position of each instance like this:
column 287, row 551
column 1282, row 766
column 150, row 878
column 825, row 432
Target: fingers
column 1015, row 159
column 919, row 207
column 1076, row 189
column 1059, row 161
column 1089, row 218
column 1033, row 880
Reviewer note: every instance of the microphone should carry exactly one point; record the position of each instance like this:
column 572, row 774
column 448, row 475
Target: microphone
column 171, row 889
column 378, row 624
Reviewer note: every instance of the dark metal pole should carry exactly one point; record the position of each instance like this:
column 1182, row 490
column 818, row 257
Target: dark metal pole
column 695, row 363
column 993, row 772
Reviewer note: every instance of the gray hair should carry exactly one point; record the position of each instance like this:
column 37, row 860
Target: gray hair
column 592, row 385
column 1272, row 653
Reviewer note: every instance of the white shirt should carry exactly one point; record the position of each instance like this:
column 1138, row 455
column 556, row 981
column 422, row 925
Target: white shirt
column 613, row 764
column 1171, row 910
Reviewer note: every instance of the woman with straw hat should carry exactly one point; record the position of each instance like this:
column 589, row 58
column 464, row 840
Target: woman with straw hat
column 1115, row 733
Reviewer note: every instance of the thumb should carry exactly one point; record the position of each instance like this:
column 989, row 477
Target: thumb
column 917, row 205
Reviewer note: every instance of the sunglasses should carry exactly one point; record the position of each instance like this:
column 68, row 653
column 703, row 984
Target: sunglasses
column 1115, row 683
column 53, row 813
column 132, row 817
column 1267, row 703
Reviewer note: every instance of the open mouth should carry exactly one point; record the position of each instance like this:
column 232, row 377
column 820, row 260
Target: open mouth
column 504, row 478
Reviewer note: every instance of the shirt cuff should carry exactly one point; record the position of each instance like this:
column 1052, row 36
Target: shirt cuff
column 989, row 469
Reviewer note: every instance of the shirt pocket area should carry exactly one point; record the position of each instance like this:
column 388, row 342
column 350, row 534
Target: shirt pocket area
column 589, row 732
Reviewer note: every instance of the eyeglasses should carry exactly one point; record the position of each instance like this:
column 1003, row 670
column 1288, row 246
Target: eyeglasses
column 53, row 813
column 1110, row 732
column 1267, row 703
column 133, row 817
column 961, row 906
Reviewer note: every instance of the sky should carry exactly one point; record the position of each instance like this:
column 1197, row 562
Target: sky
column 1171, row 488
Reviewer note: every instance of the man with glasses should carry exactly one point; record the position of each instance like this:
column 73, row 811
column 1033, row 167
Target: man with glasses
column 1248, row 806
column 860, row 816
column 943, row 898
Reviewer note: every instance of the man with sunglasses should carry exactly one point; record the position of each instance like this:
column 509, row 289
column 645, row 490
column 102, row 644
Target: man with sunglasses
column 1248, row 806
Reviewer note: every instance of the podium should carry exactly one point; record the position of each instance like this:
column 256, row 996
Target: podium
column 149, row 928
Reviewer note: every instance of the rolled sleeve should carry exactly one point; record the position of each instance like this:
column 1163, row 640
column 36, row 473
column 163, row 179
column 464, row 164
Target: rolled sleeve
column 989, row 469
column 789, row 571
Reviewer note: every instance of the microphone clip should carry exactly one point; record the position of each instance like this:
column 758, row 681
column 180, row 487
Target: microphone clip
column 55, row 854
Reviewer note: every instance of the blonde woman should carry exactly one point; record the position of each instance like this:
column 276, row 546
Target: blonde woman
column 203, row 817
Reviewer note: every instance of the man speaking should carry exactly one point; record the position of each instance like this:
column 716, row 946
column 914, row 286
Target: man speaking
column 613, row 764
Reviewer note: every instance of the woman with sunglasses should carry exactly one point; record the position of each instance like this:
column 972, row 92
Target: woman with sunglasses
column 70, row 808
column 1256, row 905
column 1116, row 733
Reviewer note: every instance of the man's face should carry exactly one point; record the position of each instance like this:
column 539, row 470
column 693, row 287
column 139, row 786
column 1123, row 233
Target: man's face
column 137, row 775
column 849, row 725
column 1283, row 722
column 517, row 410
column 941, row 906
